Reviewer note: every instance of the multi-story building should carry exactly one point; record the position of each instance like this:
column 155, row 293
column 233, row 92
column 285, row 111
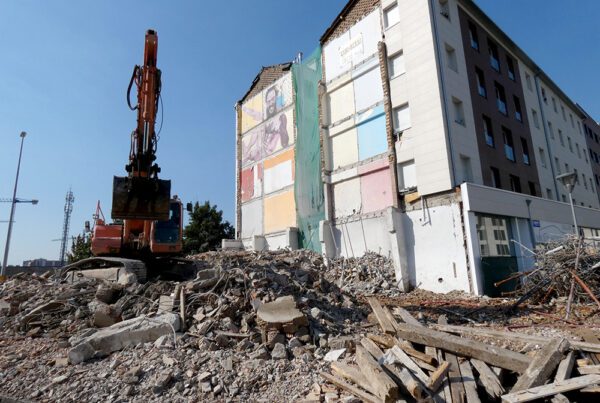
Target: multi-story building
column 440, row 143
column 591, row 132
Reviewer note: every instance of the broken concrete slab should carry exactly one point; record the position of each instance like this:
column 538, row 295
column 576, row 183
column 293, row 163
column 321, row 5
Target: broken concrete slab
column 281, row 314
column 142, row 329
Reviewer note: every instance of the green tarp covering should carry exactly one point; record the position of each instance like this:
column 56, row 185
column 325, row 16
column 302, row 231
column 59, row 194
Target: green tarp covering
column 308, row 187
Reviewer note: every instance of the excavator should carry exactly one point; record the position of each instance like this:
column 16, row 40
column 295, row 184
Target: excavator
column 146, row 234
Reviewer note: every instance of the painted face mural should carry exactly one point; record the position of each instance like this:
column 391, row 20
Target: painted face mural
column 252, row 150
column 276, row 134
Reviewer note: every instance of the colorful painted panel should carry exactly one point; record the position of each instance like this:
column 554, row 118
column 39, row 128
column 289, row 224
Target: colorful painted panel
column 344, row 149
column 372, row 137
column 341, row 103
column 278, row 96
column 280, row 212
column 252, row 146
column 376, row 188
column 251, row 179
column 279, row 171
column 278, row 132
column 252, row 112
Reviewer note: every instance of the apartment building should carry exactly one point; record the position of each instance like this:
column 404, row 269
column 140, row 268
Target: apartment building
column 439, row 144
column 591, row 131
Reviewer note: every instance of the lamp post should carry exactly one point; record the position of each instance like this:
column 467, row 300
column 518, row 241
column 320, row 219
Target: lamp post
column 569, row 180
column 13, row 201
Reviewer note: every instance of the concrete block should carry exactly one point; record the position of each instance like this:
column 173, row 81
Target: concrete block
column 119, row 275
column 142, row 329
column 328, row 247
column 259, row 243
column 281, row 314
column 292, row 238
column 235, row 244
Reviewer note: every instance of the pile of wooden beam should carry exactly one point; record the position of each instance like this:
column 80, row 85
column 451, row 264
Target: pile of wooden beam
column 414, row 362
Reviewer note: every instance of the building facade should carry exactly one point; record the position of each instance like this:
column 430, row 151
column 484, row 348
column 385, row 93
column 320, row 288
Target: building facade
column 439, row 144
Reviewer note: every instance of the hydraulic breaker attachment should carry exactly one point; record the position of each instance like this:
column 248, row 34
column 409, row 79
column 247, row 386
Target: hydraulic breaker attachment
column 136, row 198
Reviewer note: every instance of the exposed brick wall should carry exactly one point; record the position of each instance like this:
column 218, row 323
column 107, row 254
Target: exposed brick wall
column 353, row 12
column 267, row 76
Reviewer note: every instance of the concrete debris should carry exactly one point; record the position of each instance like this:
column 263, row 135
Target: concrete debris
column 262, row 327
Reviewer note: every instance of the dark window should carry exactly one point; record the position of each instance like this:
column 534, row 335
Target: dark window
column 509, row 148
column 591, row 154
column 518, row 114
column 480, row 82
column 532, row 189
column 487, row 131
column 544, row 96
column 495, row 178
column 525, row 151
column 511, row 68
column 515, row 183
column 500, row 98
column 494, row 61
column 473, row 36
column 597, row 179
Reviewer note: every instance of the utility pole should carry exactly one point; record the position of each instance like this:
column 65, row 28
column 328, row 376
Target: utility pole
column 66, row 223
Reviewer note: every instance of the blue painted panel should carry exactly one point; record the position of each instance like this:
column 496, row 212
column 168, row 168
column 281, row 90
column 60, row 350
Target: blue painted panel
column 372, row 139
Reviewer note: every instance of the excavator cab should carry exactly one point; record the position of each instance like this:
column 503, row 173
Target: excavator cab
column 138, row 198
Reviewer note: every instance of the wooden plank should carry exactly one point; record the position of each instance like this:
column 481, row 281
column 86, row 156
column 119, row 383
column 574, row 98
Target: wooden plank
column 407, row 317
column 424, row 365
column 513, row 336
column 390, row 317
column 488, row 379
column 551, row 389
column 543, row 364
column 417, row 354
column 565, row 367
column 351, row 373
column 410, row 364
column 364, row 396
column 469, row 382
column 382, row 385
column 437, row 377
column 591, row 389
column 456, row 384
column 590, row 336
column 582, row 362
column 560, row 398
column 493, row 355
column 589, row 369
column 383, row 320
column 445, row 391
column 386, row 340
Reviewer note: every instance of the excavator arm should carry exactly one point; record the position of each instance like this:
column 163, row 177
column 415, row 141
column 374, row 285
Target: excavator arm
column 141, row 195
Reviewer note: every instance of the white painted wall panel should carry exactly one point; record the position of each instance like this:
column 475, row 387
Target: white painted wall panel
column 368, row 89
column 279, row 176
column 341, row 103
column 252, row 219
column 347, row 199
column 334, row 64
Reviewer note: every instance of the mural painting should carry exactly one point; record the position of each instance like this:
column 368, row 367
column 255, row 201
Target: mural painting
column 251, row 182
column 252, row 146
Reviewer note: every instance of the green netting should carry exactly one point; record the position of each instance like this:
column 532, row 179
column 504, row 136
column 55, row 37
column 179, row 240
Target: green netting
column 308, row 186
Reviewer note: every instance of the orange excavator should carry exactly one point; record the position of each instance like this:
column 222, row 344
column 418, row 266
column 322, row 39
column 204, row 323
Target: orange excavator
column 148, row 222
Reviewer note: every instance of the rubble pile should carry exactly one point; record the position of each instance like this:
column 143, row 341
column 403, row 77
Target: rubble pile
column 569, row 268
column 369, row 274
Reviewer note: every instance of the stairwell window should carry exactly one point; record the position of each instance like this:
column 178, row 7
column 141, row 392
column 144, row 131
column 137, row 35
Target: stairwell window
column 445, row 9
column 578, row 150
column 526, row 159
column 554, row 105
column 473, row 36
column 459, row 115
column 487, row 131
column 493, row 51
column 396, row 65
column 551, row 130
column 480, row 82
column 391, row 15
column 518, row 114
column 561, row 138
column 528, row 81
column 509, row 148
column 511, row 68
column 542, row 157
column 500, row 98
column 557, row 164
column 402, row 118
column 536, row 120
column 451, row 57
column 570, row 144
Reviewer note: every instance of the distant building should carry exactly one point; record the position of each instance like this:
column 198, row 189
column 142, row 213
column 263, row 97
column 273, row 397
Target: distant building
column 41, row 263
column 439, row 143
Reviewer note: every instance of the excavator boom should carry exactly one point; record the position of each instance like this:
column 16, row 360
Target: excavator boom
column 141, row 195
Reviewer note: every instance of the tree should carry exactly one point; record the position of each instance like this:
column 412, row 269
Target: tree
column 80, row 249
column 206, row 229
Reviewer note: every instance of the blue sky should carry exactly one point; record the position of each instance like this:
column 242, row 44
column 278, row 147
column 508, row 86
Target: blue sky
column 65, row 67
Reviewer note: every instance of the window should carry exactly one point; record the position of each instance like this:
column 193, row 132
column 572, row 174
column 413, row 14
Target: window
column 402, row 118
column 532, row 190
column 549, row 193
column 536, row 120
column 494, row 235
column 557, row 164
column 473, row 36
column 564, row 115
column 578, row 150
column 579, row 127
column 591, row 154
column 444, row 8
column 567, row 169
column 564, row 199
column 407, row 175
column 451, row 57
column 495, row 178
column 396, row 65
column 542, row 157
column 494, row 61
column 459, row 116
column 550, row 130
column 518, row 115
column 576, row 175
column 528, row 81
column 561, row 138
column 487, row 131
column 526, row 159
column 499, row 235
column 584, row 181
column 467, row 172
column 480, row 82
column 570, row 144
column 554, row 105
column 585, row 154
column 511, row 68
column 391, row 15
column 572, row 121
column 544, row 96
column 515, row 183
column 597, row 179
column 591, row 184
column 509, row 149
column 500, row 98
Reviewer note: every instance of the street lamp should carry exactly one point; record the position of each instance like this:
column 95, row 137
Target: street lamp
column 569, row 180
column 13, row 202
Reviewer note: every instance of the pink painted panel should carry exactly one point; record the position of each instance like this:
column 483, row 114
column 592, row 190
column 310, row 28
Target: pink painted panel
column 374, row 166
column 376, row 190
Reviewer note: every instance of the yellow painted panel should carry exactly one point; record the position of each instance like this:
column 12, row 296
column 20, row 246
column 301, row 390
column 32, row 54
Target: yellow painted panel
column 252, row 112
column 341, row 103
column 280, row 212
column 279, row 158
column 344, row 149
